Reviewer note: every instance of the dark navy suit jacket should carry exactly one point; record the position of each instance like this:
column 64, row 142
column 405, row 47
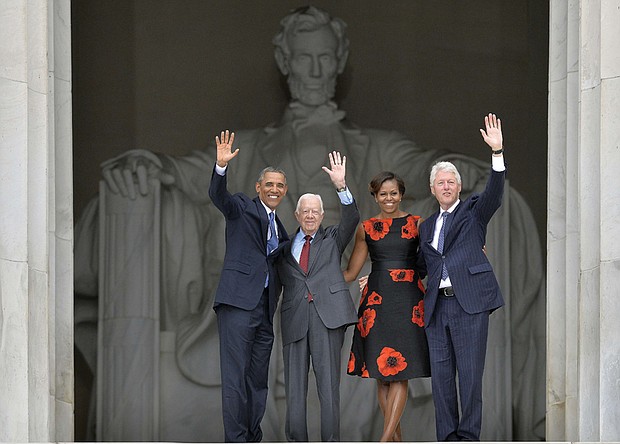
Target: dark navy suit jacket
column 245, row 268
column 469, row 269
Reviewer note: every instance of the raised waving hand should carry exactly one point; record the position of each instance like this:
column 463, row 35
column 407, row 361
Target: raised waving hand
column 338, row 170
column 224, row 143
column 493, row 134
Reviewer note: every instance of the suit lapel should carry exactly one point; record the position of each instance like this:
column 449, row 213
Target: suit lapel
column 429, row 226
column 456, row 219
column 264, row 220
column 282, row 234
column 288, row 253
column 315, row 247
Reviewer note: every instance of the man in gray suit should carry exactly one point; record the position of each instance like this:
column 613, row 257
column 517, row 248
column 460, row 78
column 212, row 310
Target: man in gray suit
column 316, row 306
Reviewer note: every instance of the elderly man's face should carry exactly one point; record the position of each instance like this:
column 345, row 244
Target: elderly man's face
column 313, row 66
column 309, row 215
column 446, row 189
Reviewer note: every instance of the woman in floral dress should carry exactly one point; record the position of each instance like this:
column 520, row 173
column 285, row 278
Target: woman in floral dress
column 389, row 343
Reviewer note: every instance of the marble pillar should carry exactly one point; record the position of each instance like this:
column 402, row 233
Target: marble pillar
column 583, row 353
column 36, row 222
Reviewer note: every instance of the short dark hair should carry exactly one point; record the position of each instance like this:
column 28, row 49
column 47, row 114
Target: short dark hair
column 270, row 169
column 375, row 184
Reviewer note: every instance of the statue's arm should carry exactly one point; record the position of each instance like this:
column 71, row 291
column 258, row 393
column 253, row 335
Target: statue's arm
column 192, row 174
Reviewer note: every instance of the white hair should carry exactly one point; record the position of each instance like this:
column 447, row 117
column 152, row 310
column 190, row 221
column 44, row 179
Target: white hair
column 447, row 167
column 307, row 196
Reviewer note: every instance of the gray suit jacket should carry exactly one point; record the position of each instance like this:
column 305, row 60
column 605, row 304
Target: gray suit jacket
column 324, row 280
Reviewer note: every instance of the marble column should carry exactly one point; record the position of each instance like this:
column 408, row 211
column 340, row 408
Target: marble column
column 583, row 353
column 36, row 222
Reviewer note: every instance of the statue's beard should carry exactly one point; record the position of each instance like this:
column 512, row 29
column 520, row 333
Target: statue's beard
column 312, row 97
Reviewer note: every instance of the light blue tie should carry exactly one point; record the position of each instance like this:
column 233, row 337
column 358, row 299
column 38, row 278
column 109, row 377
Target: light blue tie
column 272, row 242
column 440, row 241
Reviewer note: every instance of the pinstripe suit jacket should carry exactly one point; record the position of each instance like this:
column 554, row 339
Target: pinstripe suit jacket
column 470, row 271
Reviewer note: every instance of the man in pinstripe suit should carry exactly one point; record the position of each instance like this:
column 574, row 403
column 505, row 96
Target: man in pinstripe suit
column 462, row 290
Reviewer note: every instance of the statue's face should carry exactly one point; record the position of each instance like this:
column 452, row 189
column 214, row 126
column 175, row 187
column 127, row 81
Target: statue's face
column 313, row 66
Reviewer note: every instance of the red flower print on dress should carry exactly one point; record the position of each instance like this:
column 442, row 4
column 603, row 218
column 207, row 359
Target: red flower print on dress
column 365, row 371
column 364, row 293
column 391, row 362
column 410, row 229
column 377, row 228
column 401, row 275
column 366, row 322
column 374, row 298
column 351, row 365
column 417, row 315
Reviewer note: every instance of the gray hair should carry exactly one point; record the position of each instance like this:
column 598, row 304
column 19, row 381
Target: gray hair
column 305, row 19
column 447, row 167
column 306, row 196
column 270, row 169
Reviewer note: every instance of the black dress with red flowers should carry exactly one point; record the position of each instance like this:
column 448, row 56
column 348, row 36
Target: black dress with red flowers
column 389, row 342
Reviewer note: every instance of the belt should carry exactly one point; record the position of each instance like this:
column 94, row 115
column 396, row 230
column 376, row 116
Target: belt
column 446, row 291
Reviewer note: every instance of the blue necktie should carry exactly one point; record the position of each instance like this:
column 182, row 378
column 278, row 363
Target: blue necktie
column 440, row 241
column 272, row 242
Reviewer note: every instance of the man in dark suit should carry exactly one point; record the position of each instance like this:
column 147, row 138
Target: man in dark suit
column 316, row 306
column 462, row 290
column 247, row 293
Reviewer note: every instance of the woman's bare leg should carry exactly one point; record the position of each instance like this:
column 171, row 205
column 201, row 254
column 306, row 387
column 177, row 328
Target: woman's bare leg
column 382, row 394
column 396, row 401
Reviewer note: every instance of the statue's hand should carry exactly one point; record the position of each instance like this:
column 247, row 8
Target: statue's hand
column 134, row 168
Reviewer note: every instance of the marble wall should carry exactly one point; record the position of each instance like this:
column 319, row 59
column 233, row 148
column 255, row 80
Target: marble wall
column 583, row 354
column 36, row 222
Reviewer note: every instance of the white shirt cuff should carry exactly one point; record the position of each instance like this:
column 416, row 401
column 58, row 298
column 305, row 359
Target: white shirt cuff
column 498, row 163
column 220, row 170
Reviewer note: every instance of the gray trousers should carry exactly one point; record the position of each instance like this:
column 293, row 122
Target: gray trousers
column 324, row 346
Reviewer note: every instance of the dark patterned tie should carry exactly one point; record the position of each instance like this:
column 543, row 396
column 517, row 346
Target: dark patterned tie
column 442, row 235
column 304, row 258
